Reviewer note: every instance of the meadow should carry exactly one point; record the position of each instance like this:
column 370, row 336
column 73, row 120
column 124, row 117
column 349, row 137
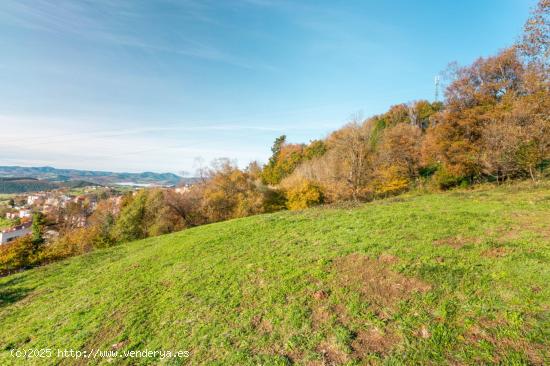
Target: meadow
column 444, row 278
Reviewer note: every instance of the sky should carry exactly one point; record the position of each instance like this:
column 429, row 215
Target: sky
column 168, row 86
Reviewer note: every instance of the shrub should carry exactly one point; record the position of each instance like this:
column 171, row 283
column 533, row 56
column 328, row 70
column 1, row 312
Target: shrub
column 391, row 180
column 445, row 180
column 18, row 254
column 274, row 199
column 304, row 195
column 73, row 242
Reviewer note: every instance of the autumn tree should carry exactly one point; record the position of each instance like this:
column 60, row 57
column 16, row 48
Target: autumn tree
column 187, row 205
column 229, row 192
column 535, row 44
column 400, row 146
column 352, row 145
column 73, row 214
column 472, row 100
column 286, row 157
column 399, row 113
column 303, row 195
column 398, row 158
column 102, row 221
column 17, row 254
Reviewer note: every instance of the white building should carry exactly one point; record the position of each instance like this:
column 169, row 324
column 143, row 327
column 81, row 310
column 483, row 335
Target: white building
column 63, row 200
column 182, row 190
column 32, row 198
column 12, row 215
column 25, row 213
column 51, row 201
column 15, row 232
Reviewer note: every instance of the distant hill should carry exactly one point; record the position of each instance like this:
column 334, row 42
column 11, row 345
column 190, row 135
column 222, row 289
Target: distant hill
column 25, row 184
column 28, row 184
column 49, row 174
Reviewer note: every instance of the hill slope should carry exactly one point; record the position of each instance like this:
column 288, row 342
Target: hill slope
column 15, row 185
column 456, row 278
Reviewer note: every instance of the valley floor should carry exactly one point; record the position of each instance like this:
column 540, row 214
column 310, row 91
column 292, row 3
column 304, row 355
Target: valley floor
column 453, row 278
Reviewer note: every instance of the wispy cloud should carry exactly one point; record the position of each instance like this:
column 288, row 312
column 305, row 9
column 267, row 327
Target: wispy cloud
column 171, row 146
column 111, row 23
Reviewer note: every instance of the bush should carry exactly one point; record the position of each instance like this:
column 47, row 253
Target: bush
column 18, row 254
column 274, row 200
column 304, row 195
column 445, row 180
column 74, row 242
column 390, row 181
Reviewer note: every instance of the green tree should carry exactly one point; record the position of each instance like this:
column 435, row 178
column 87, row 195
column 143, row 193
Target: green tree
column 269, row 174
column 129, row 225
column 37, row 228
column 314, row 149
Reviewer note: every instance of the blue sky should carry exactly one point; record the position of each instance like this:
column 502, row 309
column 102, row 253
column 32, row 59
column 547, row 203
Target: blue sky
column 170, row 85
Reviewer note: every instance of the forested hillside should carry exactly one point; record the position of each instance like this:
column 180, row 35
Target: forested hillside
column 97, row 177
column 19, row 185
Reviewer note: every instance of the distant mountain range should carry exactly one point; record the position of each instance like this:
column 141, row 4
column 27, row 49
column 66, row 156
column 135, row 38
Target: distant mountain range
column 49, row 177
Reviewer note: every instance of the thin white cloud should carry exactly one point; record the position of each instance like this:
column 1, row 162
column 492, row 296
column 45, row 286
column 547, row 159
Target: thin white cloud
column 113, row 26
column 170, row 147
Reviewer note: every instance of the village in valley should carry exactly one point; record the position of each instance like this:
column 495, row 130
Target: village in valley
column 58, row 210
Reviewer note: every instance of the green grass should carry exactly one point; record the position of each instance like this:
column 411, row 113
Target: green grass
column 5, row 223
column 454, row 278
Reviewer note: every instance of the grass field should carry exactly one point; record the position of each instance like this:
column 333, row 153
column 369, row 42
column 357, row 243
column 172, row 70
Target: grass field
column 454, row 278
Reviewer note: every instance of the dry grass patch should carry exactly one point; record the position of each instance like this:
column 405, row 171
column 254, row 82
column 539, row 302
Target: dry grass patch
column 496, row 252
column 261, row 325
column 485, row 330
column 374, row 340
column 380, row 286
column 331, row 353
column 457, row 242
column 388, row 258
column 537, row 222
column 521, row 223
column 321, row 315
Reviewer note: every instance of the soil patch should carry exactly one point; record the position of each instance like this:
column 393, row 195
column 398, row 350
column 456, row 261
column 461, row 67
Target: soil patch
column 456, row 242
column 380, row 286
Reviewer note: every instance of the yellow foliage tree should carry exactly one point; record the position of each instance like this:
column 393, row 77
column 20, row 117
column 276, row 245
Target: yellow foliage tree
column 390, row 180
column 304, row 195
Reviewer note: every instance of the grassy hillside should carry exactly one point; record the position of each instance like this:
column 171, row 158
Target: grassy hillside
column 458, row 278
